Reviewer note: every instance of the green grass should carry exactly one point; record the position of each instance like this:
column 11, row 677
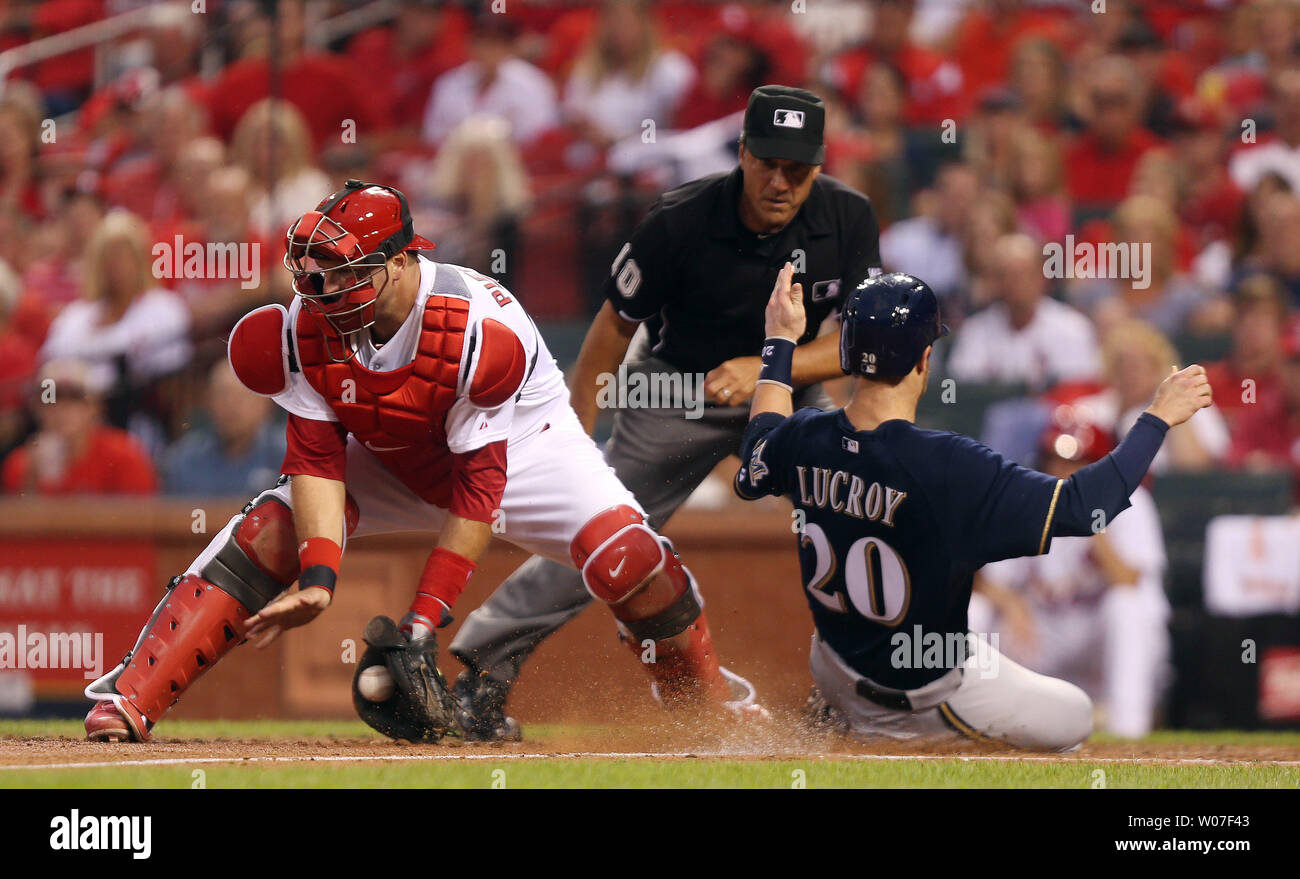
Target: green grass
column 487, row 770
column 702, row 773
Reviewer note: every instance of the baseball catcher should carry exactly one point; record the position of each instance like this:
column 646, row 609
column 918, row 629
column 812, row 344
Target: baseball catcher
column 420, row 397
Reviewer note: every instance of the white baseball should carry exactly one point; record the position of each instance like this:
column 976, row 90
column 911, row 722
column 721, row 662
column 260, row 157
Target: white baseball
column 375, row 683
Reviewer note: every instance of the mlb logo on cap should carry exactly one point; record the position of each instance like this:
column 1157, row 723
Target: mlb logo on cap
column 785, row 123
column 788, row 118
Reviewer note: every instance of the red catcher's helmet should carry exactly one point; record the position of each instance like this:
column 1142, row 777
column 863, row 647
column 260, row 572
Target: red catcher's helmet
column 352, row 233
column 1075, row 437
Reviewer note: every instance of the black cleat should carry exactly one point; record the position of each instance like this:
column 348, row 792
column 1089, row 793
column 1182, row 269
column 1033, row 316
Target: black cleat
column 481, row 711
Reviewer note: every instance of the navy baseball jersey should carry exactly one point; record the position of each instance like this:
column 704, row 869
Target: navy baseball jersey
column 896, row 522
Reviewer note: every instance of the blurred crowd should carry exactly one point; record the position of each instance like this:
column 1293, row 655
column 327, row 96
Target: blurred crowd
column 529, row 143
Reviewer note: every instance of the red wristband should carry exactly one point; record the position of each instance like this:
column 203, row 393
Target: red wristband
column 443, row 580
column 319, row 559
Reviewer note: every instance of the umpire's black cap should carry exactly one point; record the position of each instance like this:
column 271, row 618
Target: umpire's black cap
column 886, row 325
column 785, row 123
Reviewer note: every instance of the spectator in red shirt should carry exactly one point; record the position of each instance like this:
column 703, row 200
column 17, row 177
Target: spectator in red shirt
column 1268, row 434
column 52, row 264
column 222, row 217
column 1212, row 205
column 731, row 66
column 1100, row 161
column 326, row 88
column 935, row 84
column 183, row 196
column 989, row 37
column 1248, row 377
column 17, row 363
column 402, row 59
column 65, row 79
column 145, row 183
column 73, row 451
column 1266, row 37
column 1277, row 248
column 174, row 40
column 762, row 23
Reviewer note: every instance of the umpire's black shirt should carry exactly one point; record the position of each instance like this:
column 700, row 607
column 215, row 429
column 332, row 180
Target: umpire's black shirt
column 701, row 280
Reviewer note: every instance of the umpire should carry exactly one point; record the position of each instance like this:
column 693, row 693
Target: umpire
column 697, row 272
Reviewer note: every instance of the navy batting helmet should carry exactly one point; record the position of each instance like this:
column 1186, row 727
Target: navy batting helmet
column 886, row 325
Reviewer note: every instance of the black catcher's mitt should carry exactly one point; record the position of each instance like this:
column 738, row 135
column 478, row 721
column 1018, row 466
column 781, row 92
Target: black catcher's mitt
column 420, row 709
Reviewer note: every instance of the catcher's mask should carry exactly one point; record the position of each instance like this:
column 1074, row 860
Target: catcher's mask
column 336, row 251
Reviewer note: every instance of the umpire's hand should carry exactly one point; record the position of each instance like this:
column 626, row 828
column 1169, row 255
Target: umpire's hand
column 1180, row 395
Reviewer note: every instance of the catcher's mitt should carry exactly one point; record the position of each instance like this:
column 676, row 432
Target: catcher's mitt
column 420, row 708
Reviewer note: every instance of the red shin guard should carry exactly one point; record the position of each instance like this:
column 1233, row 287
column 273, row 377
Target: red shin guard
column 685, row 667
column 195, row 626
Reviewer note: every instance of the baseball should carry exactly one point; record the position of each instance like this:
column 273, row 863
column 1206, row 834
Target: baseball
column 375, row 683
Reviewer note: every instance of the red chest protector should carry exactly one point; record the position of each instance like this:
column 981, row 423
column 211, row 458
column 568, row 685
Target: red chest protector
column 400, row 415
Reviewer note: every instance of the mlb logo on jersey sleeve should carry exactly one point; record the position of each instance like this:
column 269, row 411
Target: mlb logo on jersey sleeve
column 788, row 119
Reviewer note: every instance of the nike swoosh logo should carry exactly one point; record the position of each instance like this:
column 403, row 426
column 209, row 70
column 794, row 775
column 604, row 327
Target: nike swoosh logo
column 367, row 444
column 614, row 572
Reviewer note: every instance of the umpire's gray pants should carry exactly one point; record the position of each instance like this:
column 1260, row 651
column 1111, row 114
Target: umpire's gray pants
column 661, row 456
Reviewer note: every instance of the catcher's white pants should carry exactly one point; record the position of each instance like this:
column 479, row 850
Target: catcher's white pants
column 990, row 698
column 556, row 481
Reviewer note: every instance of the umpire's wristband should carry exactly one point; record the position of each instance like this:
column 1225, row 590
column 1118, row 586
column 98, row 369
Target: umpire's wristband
column 778, row 362
column 319, row 558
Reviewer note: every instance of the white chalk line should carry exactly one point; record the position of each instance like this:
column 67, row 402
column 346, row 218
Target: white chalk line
column 652, row 755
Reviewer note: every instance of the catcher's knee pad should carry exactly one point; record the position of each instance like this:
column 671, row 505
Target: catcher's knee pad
column 677, row 617
column 260, row 557
column 617, row 554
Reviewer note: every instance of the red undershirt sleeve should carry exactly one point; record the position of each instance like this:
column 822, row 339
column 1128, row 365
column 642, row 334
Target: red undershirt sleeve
column 480, row 482
column 315, row 448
